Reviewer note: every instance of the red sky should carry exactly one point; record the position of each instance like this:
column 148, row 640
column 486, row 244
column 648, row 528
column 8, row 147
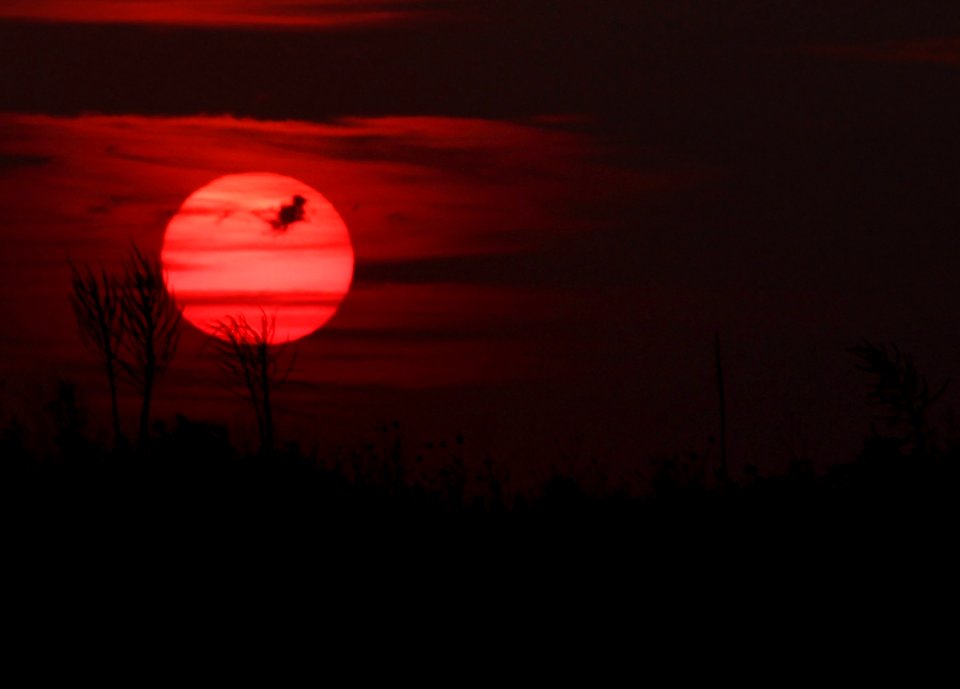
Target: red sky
column 445, row 215
column 289, row 13
column 553, row 204
column 109, row 180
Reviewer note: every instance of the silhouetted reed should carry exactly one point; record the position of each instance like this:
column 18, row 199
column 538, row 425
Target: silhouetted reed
column 901, row 392
column 189, row 478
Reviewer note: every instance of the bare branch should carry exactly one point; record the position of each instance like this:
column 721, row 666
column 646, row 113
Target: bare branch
column 97, row 305
column 251, row 362
column 151, row 321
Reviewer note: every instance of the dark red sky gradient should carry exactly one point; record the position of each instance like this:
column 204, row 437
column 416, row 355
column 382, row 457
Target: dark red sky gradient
column 307, row 14
column 553, row 205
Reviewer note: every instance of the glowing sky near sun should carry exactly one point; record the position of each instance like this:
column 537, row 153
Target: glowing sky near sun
column 253, row 241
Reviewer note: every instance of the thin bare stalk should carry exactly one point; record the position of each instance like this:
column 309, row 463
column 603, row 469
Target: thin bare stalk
column 151, row 320
column 252, row 362
column 723, row 408
column 97, row 305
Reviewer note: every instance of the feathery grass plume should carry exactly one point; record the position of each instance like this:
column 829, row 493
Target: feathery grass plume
column 898, row 388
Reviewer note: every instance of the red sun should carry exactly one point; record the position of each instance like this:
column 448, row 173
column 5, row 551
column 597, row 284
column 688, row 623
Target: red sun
column 255, row 243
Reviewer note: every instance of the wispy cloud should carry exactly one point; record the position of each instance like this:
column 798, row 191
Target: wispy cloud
column 249, row 13
column 414, row 187
column 16, row 160
column 936, row 51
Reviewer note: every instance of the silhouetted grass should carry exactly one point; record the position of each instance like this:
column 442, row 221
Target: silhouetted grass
column 189, row 479
column 188, row 491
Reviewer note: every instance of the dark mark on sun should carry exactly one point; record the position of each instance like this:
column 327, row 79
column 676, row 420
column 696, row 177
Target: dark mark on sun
column 289, row 214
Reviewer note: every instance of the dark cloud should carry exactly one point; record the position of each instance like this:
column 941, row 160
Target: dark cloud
column 364, row 7
column 12, row 161
column 289, row 213
column 609, row 257
column 486, row 269
column 503, row 59
column 302, row 14
column 115, row 200
column 943, row 51
column 409, row 334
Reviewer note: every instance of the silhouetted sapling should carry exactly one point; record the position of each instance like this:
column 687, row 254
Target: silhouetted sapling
column 253, row 363
column 151, row 320
column 96, row 302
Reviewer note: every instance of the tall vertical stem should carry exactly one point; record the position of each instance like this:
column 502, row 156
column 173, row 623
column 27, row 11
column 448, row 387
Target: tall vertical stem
column 267, row 411
column 723, row 408
column 114, row 408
